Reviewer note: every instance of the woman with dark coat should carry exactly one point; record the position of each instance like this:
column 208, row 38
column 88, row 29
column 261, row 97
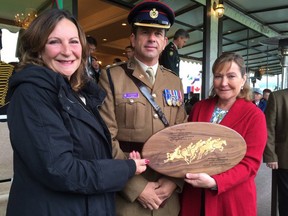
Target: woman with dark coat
column 62, row 148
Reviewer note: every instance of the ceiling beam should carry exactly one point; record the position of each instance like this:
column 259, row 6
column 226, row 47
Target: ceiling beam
column 268, row 9
column 232, row 12
column 7, row 21
column 186, row 9
column 275, row 23
column 251, row 23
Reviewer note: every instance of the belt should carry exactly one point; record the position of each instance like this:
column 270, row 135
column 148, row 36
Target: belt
column 131, row 146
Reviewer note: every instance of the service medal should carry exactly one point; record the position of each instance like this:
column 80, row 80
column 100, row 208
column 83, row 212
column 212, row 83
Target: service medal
column 173, row 97
column 178, row 101
column 180, row 98
column 167, row 96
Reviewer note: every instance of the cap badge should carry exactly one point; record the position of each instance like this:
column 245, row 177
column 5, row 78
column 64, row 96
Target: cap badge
column 153, row 13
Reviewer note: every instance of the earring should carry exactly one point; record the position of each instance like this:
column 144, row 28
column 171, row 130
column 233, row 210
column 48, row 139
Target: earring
column 241, row 87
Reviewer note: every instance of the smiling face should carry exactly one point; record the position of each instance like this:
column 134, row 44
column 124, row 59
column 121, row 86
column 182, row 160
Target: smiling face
column 148, row 44
column 228, row 82
column 63, row 50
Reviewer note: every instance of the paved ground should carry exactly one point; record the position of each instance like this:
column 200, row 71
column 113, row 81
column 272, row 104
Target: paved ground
column 263, row 183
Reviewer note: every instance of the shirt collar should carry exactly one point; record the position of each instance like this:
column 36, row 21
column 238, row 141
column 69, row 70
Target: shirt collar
column 145, row 67
column 175, row 45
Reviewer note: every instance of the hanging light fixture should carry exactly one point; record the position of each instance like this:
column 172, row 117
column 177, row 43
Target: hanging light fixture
column 23, row 20
column 263, row 70
column 219, row 8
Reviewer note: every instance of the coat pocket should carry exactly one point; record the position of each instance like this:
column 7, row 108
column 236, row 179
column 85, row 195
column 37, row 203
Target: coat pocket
column 130, row 112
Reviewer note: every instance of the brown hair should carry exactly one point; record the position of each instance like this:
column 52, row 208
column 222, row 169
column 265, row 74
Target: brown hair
column 226, row 59
column 33, row 41
column 267, row 91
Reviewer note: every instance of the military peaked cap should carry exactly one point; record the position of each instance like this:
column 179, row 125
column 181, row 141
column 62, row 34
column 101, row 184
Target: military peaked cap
column 152, row 13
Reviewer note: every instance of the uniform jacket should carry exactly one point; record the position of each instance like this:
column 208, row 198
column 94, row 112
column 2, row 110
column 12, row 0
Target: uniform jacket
column 262, row 104
column 134, row 120
column 277, row 123
column 170, row 58
column 236, row 195
column 62, row 149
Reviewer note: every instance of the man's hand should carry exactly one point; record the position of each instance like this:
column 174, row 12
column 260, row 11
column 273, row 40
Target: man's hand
column 165, row 189
column 272, row 165
column 148, row 198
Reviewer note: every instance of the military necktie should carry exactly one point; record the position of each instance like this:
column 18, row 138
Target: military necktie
column 150, row 75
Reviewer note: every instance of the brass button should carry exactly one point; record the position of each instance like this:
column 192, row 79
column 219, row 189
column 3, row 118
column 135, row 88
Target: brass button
column 154, row 95
column 155, row 116
column 131, row 101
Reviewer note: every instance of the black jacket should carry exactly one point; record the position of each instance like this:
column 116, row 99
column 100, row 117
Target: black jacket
column 62, row 149
column 170, row 58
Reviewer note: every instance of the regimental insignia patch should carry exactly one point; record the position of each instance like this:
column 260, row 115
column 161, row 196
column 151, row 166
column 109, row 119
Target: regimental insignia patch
column 153, row 13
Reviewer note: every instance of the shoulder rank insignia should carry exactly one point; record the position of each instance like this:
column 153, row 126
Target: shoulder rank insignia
column 115, row 65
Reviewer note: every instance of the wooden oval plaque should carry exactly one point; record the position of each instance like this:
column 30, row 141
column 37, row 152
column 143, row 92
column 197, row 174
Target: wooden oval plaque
column 194, row 147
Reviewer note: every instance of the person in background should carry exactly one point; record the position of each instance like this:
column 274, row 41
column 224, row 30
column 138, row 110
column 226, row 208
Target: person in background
column 258, row 100
column 266, row 93
column 232, row 192
column 92, row 46
column 117, row 61
column 63, row 163
column 193, row 98
column 275, row 154
column 170, row 56
column 131, row 117
column 96, row 68
column 129, row 50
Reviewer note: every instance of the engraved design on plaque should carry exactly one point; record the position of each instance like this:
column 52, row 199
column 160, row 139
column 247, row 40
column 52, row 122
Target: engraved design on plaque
column 196, row 151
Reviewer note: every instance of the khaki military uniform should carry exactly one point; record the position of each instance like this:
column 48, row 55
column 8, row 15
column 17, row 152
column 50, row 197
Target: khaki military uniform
column 131, row 118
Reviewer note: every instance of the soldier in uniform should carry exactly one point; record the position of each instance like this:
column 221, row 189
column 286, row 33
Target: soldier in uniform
column 170, row 57
column 131, row 118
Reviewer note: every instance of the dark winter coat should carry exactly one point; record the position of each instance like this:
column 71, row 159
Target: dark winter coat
column 62, row 149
